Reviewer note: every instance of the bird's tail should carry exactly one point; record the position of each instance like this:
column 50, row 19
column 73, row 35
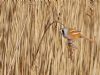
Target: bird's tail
column 91, row 40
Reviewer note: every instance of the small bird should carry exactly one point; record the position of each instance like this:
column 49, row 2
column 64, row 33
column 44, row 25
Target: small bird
column 71, row 34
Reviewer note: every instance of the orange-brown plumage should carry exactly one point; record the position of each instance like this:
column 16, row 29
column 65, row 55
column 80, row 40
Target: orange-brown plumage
column 74, row 34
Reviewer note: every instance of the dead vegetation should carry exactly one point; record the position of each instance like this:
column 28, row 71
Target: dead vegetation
column 23, row 24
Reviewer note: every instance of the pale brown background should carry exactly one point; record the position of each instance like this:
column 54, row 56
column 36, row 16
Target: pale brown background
column 22, row 24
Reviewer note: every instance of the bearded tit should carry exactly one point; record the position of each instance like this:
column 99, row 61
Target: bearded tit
column 72, row 34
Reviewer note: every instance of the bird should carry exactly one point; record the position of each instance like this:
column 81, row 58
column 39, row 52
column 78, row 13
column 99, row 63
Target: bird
column 71, row 34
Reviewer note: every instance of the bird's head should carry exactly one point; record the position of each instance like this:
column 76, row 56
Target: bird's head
column 64, row 31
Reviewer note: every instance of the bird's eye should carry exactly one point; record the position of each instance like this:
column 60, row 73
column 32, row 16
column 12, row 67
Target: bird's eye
column 63, row 32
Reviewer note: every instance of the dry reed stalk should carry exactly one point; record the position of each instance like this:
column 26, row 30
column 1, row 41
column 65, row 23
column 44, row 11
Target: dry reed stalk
column 22, row 24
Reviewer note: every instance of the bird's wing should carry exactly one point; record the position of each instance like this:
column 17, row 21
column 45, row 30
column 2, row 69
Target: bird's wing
column 74, row 34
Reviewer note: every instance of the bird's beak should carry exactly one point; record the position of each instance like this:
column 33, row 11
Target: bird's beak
column 60, row 30
column 62, row 26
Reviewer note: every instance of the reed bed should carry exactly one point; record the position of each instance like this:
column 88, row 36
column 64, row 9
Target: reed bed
column 30, row 46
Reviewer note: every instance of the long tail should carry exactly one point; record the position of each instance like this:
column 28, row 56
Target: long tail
column 91, row 40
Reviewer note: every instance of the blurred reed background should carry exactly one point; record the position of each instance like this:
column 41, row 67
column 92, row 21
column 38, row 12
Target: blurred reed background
column 22, row 25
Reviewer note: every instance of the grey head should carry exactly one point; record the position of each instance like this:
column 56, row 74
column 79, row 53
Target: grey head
column 64, row 32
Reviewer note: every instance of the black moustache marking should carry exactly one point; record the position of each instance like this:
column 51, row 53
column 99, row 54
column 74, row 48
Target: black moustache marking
column 63, row 32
